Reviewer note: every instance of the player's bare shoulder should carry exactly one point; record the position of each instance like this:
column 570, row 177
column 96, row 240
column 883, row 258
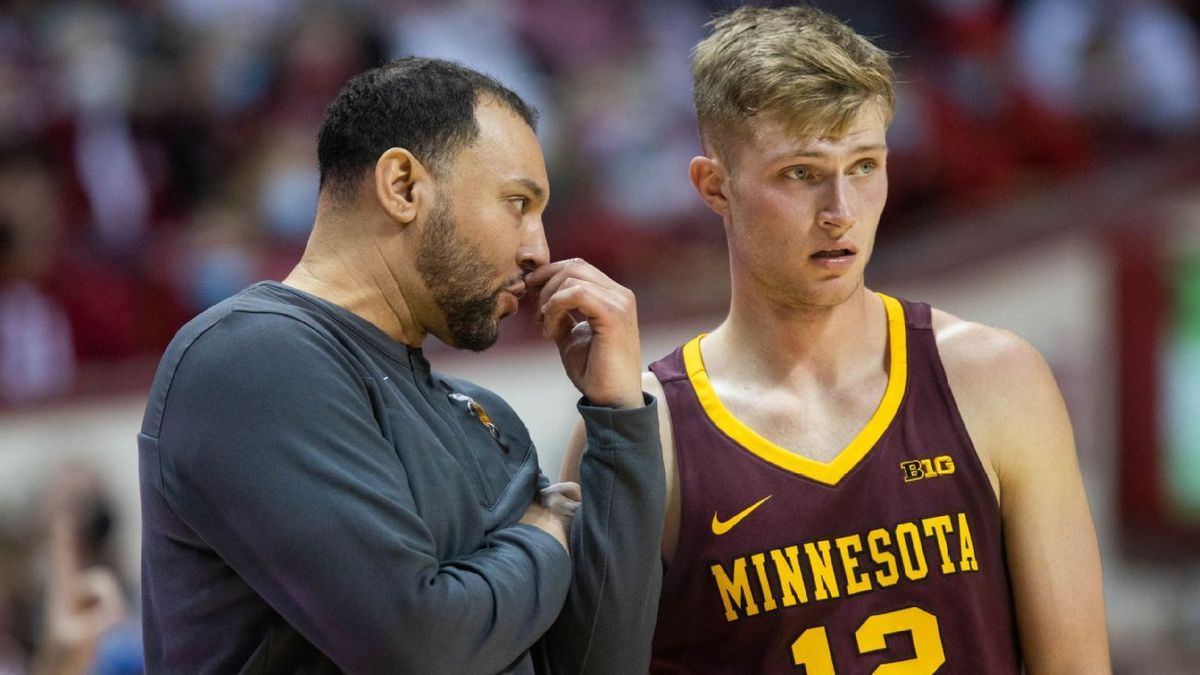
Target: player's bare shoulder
column 1004, row 389
column 981, row 356
column 982, row 360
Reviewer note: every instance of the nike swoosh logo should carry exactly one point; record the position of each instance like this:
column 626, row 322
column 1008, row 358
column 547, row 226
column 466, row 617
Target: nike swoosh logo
column 720, row 527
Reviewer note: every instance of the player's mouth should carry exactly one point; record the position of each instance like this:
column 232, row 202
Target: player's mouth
column 834, row 257
column 833, row 253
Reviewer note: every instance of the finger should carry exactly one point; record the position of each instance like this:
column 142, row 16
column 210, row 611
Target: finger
column 558, row 325
column 64, row 551
column 566, row 270
column 543, row 274
column 100, row 604
column 601, row 307
column 557, row 319
column 560, row 505
column 569, row 489
column 537, row 280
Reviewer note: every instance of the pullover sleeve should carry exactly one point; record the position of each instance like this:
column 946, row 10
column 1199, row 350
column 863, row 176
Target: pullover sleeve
column 607, row 624
column 269, row 451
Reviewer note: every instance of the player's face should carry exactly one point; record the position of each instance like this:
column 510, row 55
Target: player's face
column 485, row 231
column 802, row 211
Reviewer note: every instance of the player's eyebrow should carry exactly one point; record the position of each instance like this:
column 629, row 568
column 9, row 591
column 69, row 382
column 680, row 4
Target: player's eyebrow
column 856, row 150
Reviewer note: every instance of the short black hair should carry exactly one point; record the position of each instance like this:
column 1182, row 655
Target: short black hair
column 424, row 105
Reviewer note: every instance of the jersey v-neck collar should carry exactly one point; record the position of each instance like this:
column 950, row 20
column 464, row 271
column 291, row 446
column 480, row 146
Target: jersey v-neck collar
column 829, row 473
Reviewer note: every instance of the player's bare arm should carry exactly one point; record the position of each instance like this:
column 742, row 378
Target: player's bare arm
column 1017, row 420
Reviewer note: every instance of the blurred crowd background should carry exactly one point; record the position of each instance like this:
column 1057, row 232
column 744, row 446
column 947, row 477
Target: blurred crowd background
column 156, row 156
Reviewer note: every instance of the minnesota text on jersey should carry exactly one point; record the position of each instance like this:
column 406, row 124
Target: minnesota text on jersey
column 879, row 558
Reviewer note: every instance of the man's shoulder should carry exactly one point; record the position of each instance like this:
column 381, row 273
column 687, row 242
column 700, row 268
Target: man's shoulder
column 255, row 321
column 1002, row 385
column 243, row 339
column 970, row 349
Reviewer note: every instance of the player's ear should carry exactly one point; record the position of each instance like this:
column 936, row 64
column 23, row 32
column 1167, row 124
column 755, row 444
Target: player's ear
column 711, row 181
column 401, row 184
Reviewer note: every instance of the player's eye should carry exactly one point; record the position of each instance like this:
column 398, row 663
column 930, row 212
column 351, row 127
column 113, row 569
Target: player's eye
column 520, row 202
column 799, row 173
column 867, row 166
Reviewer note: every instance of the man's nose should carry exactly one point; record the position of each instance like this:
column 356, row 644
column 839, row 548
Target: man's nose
column 534, row 251
column 837, row 212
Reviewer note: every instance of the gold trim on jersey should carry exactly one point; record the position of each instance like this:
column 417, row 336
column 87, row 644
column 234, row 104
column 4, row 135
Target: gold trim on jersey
column 825, row 472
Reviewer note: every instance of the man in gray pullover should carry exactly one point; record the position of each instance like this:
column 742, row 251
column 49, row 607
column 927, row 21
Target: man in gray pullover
column 316, row 499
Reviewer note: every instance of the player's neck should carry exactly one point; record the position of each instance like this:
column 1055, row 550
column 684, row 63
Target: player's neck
column 345, row 267
column 809, row 341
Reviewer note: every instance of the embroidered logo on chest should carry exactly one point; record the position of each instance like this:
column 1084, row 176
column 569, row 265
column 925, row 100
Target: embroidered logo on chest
column 720, row 527
column 477, row 410
column 919, row 469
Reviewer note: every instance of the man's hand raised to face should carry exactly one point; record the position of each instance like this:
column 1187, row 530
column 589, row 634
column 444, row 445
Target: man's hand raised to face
column 601, row 353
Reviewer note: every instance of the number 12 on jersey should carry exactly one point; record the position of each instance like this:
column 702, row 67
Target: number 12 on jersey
column 811, row 649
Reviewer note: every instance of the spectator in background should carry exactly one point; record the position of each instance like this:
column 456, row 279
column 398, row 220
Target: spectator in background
column 83, row 598
column 65, row 627
column 149, row 113
column 1120, row 64
column 16, row 615
column 37, row 359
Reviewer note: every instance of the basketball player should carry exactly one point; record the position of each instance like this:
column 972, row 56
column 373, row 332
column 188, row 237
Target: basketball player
column 856, row 483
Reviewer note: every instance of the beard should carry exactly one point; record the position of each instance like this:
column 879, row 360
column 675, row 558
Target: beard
column 454, row 272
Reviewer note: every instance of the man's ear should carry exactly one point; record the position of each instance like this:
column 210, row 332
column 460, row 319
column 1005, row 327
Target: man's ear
column 401, row 184
column 712, row 182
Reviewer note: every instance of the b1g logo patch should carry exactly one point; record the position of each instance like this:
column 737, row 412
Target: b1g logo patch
column 916, row 469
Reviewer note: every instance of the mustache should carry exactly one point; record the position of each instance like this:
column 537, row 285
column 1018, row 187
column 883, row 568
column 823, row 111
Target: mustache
column 508, row 284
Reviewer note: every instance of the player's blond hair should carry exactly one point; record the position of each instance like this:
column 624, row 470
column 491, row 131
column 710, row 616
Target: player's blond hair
column 797, row 61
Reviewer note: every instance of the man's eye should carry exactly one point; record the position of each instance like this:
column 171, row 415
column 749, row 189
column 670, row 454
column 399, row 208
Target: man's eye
column 799, row 173
column 520, row 202
column 867, row 166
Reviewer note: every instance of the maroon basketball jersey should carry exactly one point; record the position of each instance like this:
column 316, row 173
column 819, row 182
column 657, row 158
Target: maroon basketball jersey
column 888, row 559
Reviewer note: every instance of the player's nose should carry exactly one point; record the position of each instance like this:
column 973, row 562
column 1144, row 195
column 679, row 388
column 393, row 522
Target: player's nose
column 837, row 209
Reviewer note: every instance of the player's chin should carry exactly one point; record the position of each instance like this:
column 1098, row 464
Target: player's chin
column 833, row 292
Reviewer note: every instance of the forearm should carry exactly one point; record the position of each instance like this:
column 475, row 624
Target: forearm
column 496, row 603
column 608, row 621
column 393, row 609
